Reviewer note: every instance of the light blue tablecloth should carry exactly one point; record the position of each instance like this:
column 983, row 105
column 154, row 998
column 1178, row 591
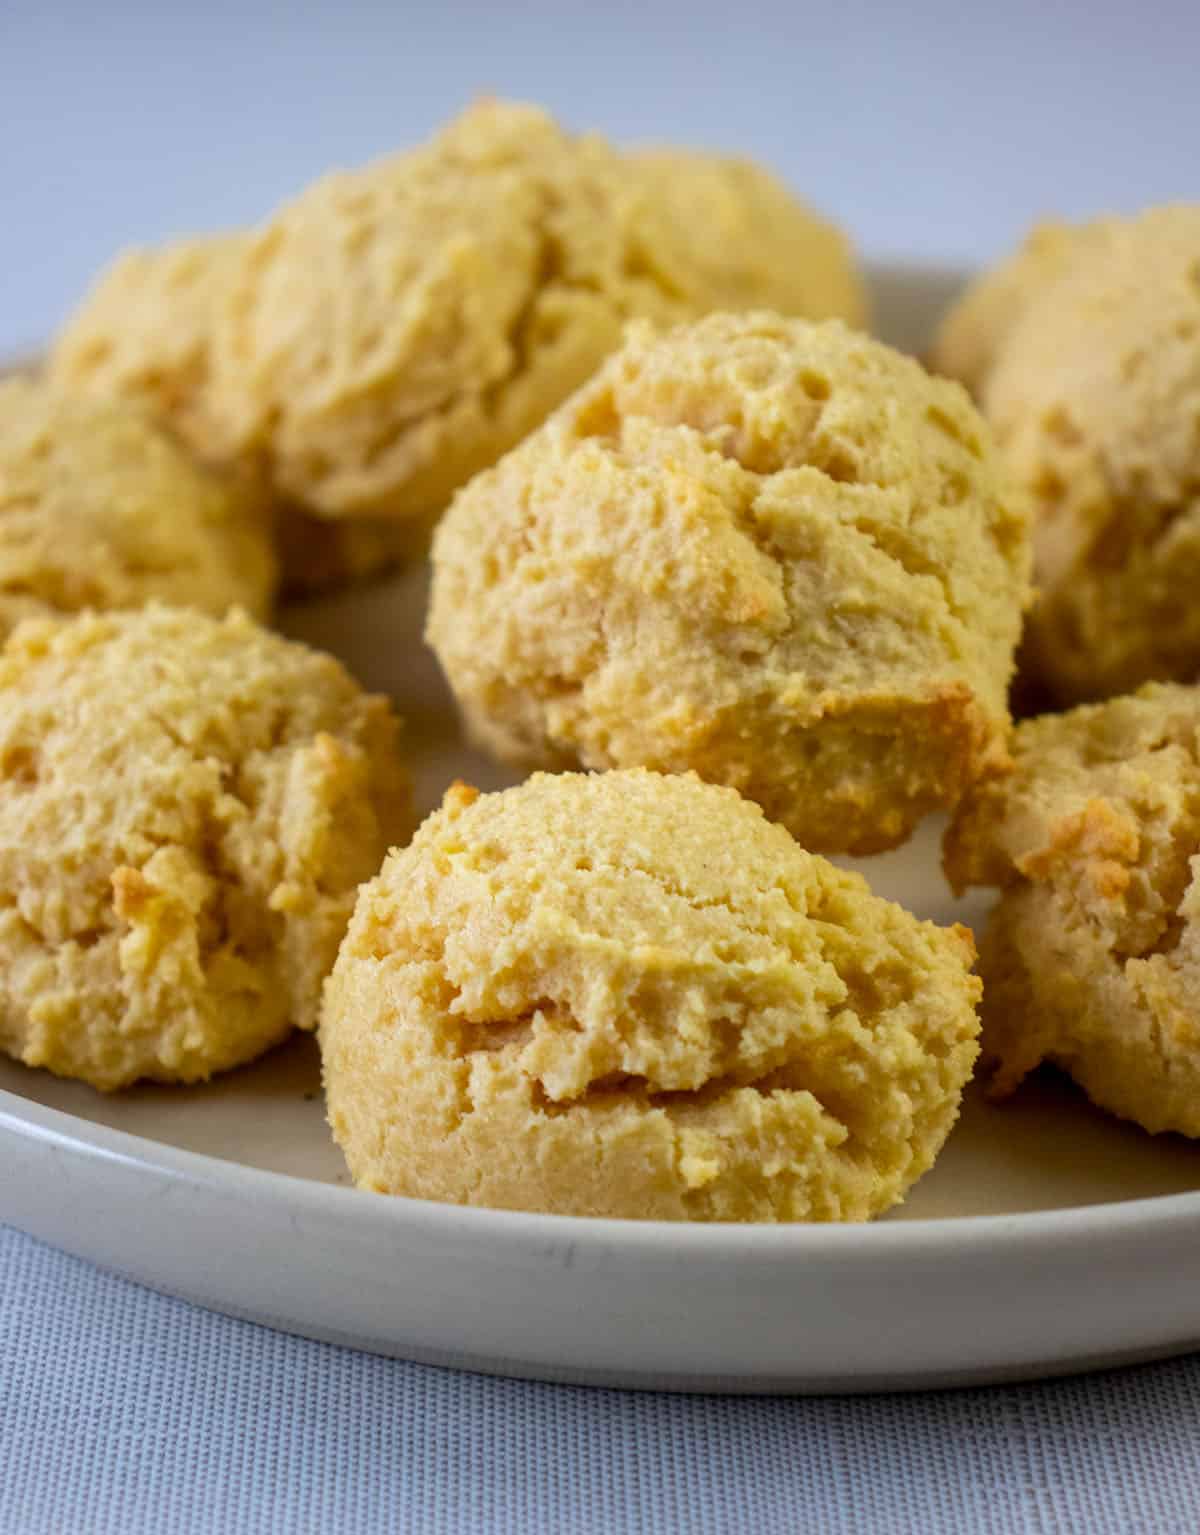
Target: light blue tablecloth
column 125, row 1413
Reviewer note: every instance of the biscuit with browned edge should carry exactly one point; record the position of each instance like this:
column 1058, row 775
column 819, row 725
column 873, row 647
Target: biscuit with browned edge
column 187, row 807
column 628, row 994
column 774, row 552
column 1091, row 958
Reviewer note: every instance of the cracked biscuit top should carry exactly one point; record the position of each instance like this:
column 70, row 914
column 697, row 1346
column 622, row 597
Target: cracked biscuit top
column 397, row 327
column 186, row 809
column 1095, row 401
column 631, row 995
column 100, row 509
column 774, row 552
column 1092, row 957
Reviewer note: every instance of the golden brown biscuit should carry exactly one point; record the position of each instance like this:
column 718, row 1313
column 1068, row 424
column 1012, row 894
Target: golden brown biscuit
column 1092, row 956
column 398, row 327
column 1095, row 398
column 186, row 809
column 777, row 553
column 631, row 995
column 99, row 509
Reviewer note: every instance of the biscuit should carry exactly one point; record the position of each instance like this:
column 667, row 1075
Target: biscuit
column 1084, row 351
column 144, row 334
column 317, row 555
column 187, row 807
column 975, row 330
column 730, row 235
column 99, row 509
column 1094, row 400
column 777, row 553
column 398, row 327
column 1091, row 958
column 631, row 995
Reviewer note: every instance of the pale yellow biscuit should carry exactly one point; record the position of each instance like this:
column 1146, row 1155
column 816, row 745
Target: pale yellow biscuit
column 397, row 327
column 730, row 235
column 1095, row 398
column 631, row 995
column 144, row 333
column 187, row 807
column 99, row 509
column 975, row 330
column 144, row 336
column 777, row 553
column 1092, row 956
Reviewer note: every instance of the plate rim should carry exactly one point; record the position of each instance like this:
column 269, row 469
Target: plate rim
column 827, row 1250
column 1031, row 1230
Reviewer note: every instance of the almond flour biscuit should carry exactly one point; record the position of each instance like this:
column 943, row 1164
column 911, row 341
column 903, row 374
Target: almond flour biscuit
column 1095, row 399
column 317, row 555
column 144, row 334
column 631, row 995
column 1091, row 959
column 398, row 327
column 99, row 509
column 975, row 330
column 777, row 553
column 187, row 806
column 732, row 236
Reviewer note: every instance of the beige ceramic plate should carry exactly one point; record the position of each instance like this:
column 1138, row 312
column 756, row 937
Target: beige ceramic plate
column 1047, row 1237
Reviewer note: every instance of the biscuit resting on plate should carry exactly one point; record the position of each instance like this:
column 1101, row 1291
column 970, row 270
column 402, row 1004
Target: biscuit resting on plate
column 145, row 335
column 629, row 994
column 1091, row 958
column 1094, row 396
column 187, row 806
column 397, row 327
column 976, row 328
column 100, row 509
column 774, row 552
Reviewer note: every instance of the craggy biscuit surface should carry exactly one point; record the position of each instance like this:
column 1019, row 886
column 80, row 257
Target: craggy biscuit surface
column 1095, row 399
column 777, row 553
column 1091, row 959
column 1084, row 352
column 631, row 995
column 186, row 809
column 398, row 327
column 99, row 509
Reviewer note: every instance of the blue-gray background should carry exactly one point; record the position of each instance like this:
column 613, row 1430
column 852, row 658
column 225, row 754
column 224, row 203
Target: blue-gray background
column 933, row 130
